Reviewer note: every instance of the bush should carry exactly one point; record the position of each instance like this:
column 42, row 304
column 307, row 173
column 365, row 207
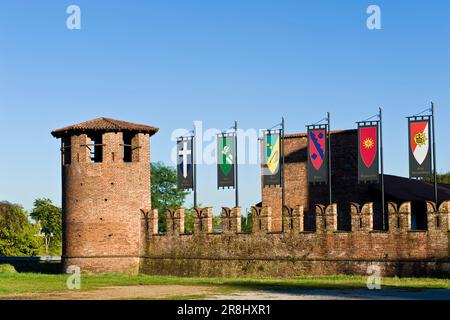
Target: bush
column 7, row 268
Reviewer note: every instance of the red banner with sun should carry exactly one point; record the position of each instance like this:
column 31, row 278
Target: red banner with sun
column 368, row 152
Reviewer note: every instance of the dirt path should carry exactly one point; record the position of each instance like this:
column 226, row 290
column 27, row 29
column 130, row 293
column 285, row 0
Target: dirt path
column 357, row 294
column 212, row 293
column 122, row 293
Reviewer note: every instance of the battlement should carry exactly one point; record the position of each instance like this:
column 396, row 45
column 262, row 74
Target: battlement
column 294, row 251
column 293, row 219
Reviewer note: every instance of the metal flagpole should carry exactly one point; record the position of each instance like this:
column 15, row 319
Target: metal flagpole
column 194, row 166
column 434, row 157
column 383, row 206
column 283, row 199
column 329, row 158
column 236, row 189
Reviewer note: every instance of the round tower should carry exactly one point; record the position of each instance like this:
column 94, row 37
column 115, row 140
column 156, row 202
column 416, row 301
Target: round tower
column 105, row 190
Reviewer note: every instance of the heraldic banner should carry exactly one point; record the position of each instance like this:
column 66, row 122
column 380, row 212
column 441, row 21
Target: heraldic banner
column 317, row 155
column 226, row 155
column 368, row 159
column 419, row 147
column 272, row 158
column 185, row 167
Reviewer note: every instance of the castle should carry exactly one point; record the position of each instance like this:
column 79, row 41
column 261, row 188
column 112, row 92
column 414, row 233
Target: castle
column 109, row 225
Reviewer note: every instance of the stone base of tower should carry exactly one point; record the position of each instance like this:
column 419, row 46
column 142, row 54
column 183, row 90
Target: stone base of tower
column 103, row 265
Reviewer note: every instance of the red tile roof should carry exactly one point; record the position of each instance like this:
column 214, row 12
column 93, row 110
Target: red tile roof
column 104, row 125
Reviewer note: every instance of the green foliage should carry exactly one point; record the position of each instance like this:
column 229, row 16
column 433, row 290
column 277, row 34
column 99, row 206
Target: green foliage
column 246, row 222
column 441, row 178
column 7, row 268
column 216, row 221
column 49, row 217
column 165, row 193
column 189, row 218
column 18, row 237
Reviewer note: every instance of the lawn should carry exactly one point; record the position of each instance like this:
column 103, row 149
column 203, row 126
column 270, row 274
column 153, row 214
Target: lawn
column 22, row 283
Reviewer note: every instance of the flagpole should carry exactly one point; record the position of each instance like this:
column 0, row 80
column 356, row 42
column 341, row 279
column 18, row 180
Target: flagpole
column 194, row 166
column 383, row 206
column 329, row 158
column 283, row 199
column 434, row 158
column 236, row 165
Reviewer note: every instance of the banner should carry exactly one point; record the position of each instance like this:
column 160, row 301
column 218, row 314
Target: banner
column 272, row 159
column 368, row 159
column 185, row 168
column 226, row 155
column 419, row 147
column 317, row 155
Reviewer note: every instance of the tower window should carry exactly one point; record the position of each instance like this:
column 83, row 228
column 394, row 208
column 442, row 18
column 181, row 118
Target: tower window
column 130, row 147
column 96, row 147
column 66, row 150
column 127, row 147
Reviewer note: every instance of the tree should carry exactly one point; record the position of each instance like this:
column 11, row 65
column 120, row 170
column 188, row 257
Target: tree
column 441, row 178
column 246, row 222
column 189, row 220
column 18, row 237
column 49, row 217
column 165, row 193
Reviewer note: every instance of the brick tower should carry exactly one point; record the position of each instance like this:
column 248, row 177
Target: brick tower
column 105, row 187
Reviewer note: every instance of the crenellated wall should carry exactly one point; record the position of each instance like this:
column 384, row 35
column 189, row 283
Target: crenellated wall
column 293, row 251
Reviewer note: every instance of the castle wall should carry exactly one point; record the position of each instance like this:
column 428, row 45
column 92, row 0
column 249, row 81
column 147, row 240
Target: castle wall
column 103, row 203
column 294, row 252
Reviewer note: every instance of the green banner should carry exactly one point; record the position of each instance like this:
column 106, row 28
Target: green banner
column 226, row 155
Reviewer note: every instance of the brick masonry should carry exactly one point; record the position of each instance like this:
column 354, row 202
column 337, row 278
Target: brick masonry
column 103, row 204
column 295, row 252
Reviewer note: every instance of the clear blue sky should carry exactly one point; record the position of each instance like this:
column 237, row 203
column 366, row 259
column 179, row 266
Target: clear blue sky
column 168, row 63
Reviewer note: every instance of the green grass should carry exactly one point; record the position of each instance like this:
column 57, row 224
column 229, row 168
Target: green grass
column 23, row 283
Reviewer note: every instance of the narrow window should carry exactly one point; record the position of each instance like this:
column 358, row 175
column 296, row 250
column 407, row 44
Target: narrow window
column 96, row 147
column 127, row 147
column 66, row 150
